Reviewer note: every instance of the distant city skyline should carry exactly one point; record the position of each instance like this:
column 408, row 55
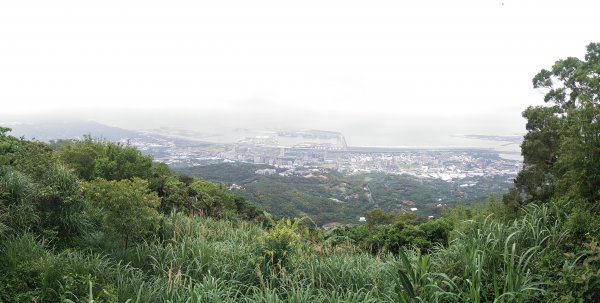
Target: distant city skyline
column 507, row 145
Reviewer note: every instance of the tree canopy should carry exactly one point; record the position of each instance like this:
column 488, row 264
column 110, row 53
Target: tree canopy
column 92, row 158
column 129, row 208
column 561, row 149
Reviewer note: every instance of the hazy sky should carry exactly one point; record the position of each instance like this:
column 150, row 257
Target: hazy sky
column 377, row 70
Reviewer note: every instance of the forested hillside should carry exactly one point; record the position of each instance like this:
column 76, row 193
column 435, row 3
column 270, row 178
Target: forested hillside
column 93, row 221
column 328, row 196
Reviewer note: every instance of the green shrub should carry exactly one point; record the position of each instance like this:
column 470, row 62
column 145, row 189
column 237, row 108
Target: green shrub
column 124, row 209
column 280, row 244
column 91, row 158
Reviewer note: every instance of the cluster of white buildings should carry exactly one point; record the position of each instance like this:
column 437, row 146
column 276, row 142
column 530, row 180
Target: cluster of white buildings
column 445, row 165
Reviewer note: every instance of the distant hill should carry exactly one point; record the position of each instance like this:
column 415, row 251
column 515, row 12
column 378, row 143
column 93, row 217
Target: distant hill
column 47, row 131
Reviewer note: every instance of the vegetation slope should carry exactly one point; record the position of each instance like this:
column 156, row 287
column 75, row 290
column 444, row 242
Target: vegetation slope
column 329, row 196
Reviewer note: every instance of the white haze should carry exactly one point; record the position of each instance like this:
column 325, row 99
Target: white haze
column 381, row 72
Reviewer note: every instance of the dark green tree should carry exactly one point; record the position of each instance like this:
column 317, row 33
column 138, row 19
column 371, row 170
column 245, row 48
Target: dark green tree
column 92, row 159
column 561, row 149
column 37, row 193
column 124, row 209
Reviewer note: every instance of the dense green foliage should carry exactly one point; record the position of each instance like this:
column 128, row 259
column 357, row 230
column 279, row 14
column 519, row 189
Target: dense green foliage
column 92, row 159
column 562, row 153
column 390, row 233
column 88, row 195
column 237, row 172
column 206, row 260
column 126, row 207
column 562, row 146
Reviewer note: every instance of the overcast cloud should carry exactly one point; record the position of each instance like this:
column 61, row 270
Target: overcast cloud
column 382, row 72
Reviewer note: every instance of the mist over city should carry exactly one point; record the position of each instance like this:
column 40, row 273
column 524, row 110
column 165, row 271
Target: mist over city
column 386, row 74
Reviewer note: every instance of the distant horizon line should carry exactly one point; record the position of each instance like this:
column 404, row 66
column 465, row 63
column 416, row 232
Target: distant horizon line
column 400, row 147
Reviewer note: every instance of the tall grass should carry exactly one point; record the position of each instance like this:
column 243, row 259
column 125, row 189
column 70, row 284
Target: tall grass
column 492, row 262
column 197, row 259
